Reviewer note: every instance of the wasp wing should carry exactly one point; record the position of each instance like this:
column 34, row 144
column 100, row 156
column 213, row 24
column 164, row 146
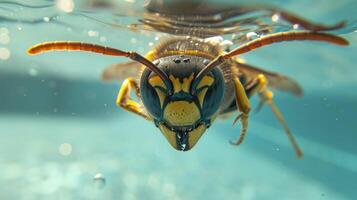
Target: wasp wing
column 121, row 71
column 275, row 80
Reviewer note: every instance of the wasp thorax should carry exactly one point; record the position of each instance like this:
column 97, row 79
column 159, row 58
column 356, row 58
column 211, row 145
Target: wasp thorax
column 186, row 109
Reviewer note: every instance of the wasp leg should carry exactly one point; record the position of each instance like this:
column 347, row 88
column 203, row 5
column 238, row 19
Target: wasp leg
column 259, row 85
column 126, row 102
column 244, row 107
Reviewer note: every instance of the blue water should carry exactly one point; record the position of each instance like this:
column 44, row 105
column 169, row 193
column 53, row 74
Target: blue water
column 60, row 127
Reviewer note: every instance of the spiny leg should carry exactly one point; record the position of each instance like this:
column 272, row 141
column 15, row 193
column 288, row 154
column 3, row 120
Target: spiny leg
column 266, row 96
column 244, row 107
column 255, row 86
column 126, row 102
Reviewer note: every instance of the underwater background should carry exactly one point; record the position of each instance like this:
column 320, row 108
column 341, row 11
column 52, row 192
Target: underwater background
column 63, row 137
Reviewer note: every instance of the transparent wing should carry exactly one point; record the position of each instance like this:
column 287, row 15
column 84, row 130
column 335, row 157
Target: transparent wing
column 275, row 80
column 121, row 71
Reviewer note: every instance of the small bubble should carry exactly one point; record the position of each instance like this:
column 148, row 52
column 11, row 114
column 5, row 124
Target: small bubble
column 296, row 26
column 19, row 28
column 275, row 17
column 217, row 17
column 252, row 35
column 99, row 180
column 46, row 19
column 102, row 39
column 4, row 53
column 65, row 149
column 130, row 1
column 92, row 33
column 33, row 72
column 151, row 44
column 65, row 5
column 157, row 38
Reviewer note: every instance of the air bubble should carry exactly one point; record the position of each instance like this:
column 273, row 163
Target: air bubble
column 252, row 35
column 217, row 17
column 102, row 39
column 65, row 5
column 296, row 26
column 65, row 149
column 275, row 17
column 99, row 181
column 92, row 33
column 4, row 53
column 46, row 19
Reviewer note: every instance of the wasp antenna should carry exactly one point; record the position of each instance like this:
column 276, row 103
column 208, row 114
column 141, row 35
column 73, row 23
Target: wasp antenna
column 80, row 46
column 270, row 39
column 74, row 46
column 286, row 36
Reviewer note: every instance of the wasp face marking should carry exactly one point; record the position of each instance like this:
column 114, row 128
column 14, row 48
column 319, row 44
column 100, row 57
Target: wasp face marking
column 183, row 86
column 181, row 115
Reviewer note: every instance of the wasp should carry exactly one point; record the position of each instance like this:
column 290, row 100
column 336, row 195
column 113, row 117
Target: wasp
column 185, row 83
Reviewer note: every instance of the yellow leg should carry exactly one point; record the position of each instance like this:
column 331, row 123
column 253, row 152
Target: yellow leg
column 126, row 102
column 266, row 97
column 244, row 107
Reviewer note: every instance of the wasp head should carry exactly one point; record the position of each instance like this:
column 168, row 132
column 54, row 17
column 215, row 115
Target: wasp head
column 185, row 108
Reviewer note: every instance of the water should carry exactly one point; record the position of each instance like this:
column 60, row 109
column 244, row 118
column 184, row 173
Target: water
column 62, row 136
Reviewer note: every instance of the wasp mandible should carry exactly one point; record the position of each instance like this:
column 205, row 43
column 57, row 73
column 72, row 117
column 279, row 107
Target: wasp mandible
column 186, row 83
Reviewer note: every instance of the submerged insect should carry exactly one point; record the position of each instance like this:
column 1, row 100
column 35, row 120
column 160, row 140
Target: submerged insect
column 186, row 83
